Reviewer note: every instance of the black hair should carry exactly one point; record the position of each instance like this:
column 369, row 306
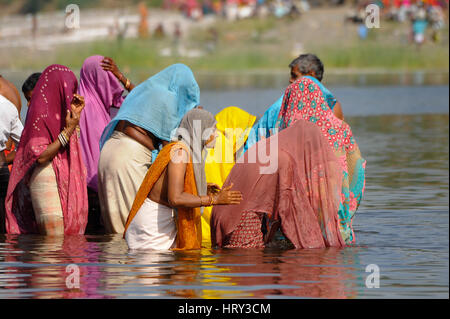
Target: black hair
column 30, row 82
column 309, row 63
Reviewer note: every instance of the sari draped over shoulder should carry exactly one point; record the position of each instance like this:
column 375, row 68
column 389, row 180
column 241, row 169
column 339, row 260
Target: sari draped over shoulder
column 157, row 105
column 233, row 126
column 101, row 91
column 301, row 195
column 194, row 130
column 304, row 100
column 45, row 120
column 188, row 220
column 266, row 126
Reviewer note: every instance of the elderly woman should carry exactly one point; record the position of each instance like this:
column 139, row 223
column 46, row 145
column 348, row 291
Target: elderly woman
column 131, row 141
column 47, row 189
column 176, row 180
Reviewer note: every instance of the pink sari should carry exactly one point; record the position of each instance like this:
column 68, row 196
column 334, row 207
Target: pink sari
column 45, row 120
column 101, row 90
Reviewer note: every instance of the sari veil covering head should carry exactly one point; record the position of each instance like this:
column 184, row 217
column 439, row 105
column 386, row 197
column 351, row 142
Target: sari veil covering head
column 159, row 103
column 45, row 120
column 302, row 195
column 195, row 124
column 233, row 126
column 195, row 129
column 101, row 90
column 266, row 125
column 303, row 101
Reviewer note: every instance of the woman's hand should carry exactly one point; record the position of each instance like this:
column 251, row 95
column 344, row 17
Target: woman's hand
column 73, row 116
column 227, row 197
column 212, row 189
column 108, row 64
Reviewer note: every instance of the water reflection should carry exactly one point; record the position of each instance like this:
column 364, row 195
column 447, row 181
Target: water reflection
column 35, row 267
column 408, row 160
column 402, row 226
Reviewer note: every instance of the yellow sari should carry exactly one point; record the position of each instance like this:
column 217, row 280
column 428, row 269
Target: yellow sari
column 233, row 126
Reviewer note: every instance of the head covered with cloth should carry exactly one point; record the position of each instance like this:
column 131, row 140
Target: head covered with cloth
column 193, row 134
column 101, row 91
column 301, row 196
column 233, row 126
column 46, row 116
column 304, row 101
column 159, row 103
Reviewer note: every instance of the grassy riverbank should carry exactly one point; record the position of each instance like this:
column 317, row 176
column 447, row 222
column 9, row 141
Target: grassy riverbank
column 256, row 44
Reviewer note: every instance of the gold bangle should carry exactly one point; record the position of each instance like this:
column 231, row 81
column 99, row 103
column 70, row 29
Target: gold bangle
column 128, row 84
column 211, row 199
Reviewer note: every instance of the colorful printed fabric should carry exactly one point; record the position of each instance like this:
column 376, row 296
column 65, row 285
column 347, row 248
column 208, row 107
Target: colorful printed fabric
column 46, row 116
column 264, row 128
column 304, row 100
column 248, row 233
column 300, row 192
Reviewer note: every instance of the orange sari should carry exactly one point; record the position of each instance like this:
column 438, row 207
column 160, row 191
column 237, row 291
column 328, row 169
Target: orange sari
column 189, row 235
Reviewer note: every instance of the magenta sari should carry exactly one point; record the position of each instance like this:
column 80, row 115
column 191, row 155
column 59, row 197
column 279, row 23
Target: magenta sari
column 45, row 120
column 101, row 90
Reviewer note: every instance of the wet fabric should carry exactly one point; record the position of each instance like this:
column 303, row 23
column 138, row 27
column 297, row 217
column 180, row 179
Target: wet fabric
column 188, row 221
column 44, row 197
column 159, row 103
column 46, row 115
column 195, row 129
column 303, row 100
column 302, row 193
column 248, row 233
column 120, row 178
column 101, row 91
column 4, row 178
column 153, row 227
column 233, row 126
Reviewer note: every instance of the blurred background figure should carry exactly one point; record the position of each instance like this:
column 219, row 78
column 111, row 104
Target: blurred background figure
column 143, row 24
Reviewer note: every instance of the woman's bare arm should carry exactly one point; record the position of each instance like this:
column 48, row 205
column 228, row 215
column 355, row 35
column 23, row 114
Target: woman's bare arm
column 178, row 198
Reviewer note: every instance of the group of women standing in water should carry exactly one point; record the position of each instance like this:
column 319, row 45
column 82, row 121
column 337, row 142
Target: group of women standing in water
column 171, row 175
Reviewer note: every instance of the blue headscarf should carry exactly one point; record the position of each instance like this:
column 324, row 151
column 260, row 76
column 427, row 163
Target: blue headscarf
column 159, row 103
column 266, row 124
